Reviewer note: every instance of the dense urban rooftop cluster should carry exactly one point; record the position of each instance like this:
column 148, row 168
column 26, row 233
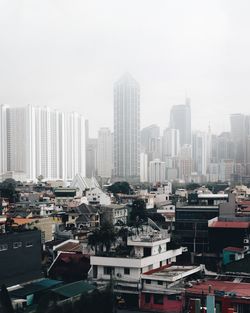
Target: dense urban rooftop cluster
column 165, row 248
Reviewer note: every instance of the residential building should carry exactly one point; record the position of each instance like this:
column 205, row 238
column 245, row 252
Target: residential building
column 143, row 167
column 3, row 139
column 170, row 143
column 191, row 219
column 115, row 214
column 157, row 171
column 104, row 153
column 24, row 246
column 199, row 153
column 127, row 128
column 39, row 142
column 147, row 250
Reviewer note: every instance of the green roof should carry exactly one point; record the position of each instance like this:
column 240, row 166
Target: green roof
column 34, row 287
column 73, row 289
column 48, row 283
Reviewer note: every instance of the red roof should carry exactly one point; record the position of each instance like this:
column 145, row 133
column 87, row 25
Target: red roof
column 220, row 224
column 234, row 249
column 240, row 289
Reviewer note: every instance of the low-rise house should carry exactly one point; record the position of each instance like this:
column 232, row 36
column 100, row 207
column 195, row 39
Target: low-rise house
column 115, row 214
column 147, row 250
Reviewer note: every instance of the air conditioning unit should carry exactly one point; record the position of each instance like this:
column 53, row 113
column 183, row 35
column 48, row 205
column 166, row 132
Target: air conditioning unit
column 246, row 240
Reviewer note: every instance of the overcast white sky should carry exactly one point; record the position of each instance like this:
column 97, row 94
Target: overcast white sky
column 67, row 54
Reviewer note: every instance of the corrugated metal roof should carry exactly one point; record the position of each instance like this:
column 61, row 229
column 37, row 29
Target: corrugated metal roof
column 74, row 289
column 239, row 289
column 221, row 224
column 233, row 249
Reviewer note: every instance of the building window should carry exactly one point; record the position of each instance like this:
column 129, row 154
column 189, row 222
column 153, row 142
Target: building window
column 148, row 281
column 126, row 271
column 158, row 299
column 17, row 245
column 160, row 282
column 107, row 270
column 29, row 244
column 147, row 298
column 3, row 247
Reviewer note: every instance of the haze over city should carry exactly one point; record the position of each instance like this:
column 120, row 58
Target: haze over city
column 67, row 56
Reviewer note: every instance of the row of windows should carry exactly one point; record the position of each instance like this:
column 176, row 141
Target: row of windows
column 110, row 270
column 16, row 245
column 158, row 282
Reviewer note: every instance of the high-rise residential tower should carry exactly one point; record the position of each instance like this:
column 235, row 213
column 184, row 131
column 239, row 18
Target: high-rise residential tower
column 40, row 141
column 127, row 129
column 3, row 138
column 104, row 153
column 180, row 118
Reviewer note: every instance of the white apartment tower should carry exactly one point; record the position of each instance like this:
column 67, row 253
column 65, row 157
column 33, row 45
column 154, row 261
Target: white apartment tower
column 127, row 128
column 170, row 143
column 3, row 138
column 157, row 171
column 104, row 153
column 41, row 141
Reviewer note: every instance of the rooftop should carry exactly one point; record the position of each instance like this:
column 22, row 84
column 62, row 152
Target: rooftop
column 221, row 288
column 221, row 224
column 171, row 273
column 233, row 249
column 74, row 289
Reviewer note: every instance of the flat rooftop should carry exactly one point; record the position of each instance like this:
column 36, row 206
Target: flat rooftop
column 171, row 273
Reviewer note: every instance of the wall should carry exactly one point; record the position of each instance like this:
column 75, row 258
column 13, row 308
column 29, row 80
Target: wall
column 20, row 264
column 168, row 306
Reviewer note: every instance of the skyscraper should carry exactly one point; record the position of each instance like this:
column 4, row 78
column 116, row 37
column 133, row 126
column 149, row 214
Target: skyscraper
column 104, row 153
column 180, row 118
column 170, row 143
column 150, row 142
column 127, row 128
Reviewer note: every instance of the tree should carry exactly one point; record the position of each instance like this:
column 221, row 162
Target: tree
column 120, row 187
column 40, row 178
column 139, row 212
column 104, row 236
column 8, row 189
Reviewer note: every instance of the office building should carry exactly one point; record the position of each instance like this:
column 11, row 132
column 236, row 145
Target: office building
column 180, row 118
column 127, row 129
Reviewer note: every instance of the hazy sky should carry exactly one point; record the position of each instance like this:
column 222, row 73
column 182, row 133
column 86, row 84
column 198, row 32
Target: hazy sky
column 67, row 54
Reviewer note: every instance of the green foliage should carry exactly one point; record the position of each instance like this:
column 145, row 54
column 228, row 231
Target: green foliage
column 8, row 189
column 138, row 213
column 120, row 187
column 104, row 236
column 192, row 186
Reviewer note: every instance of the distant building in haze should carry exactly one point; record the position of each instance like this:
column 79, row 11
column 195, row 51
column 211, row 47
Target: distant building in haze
column 104, row 153
column 157, row 170
column 180, row 118
column 127, row 129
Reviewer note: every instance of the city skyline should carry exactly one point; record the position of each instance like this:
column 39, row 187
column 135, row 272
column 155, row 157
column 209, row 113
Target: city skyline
column 73, row 60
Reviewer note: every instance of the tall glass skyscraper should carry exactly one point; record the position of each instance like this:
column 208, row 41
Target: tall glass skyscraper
column 180, row 118
column 127, row 129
